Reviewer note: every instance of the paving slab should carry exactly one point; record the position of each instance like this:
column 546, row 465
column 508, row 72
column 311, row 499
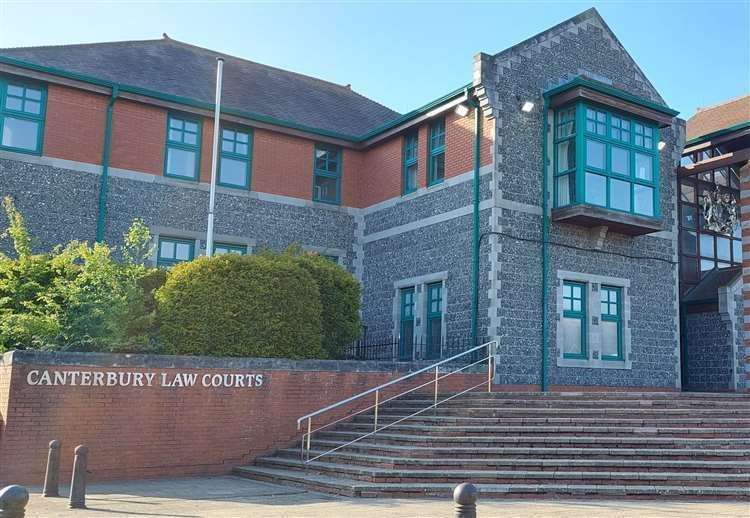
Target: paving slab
column 234, row 497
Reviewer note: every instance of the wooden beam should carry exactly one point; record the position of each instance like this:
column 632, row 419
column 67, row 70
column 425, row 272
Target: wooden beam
column 581, row 92
column 712, row 163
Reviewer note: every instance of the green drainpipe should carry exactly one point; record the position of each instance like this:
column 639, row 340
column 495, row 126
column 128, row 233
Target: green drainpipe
column 475, row 241
column 104, row 184
column 545, row 247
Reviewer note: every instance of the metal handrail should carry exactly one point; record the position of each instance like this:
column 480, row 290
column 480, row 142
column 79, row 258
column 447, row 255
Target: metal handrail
column 306, row 436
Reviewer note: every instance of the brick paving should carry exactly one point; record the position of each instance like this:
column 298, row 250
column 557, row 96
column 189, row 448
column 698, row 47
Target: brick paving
column 225, row 497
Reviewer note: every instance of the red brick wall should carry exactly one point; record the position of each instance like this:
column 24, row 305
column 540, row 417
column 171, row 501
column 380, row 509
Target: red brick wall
column 138, row 137
column 155, row 431
column 459, row 143
column 282, row 164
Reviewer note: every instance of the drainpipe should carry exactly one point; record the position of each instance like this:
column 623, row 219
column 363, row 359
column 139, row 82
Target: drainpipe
column 545, row 248
column 475, row 239
column 104, row 184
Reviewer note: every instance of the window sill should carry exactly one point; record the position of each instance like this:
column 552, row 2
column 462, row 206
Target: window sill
column 621, row 222
column 589, row 363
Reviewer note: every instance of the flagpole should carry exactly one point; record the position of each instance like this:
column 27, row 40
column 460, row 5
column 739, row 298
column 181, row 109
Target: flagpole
column 214, row 162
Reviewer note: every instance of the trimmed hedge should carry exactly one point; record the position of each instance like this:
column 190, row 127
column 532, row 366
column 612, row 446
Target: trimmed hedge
column 233, row 305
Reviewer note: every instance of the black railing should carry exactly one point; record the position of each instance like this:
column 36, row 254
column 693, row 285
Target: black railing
column 395, row 349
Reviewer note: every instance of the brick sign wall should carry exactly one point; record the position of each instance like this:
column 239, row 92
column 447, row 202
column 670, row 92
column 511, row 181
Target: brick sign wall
column 151, row 416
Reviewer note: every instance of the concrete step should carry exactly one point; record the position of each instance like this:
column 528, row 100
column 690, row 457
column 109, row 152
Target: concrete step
column 480, row 401
column 363, row 489
column 586, row 395
column 641, row 413
column 536, row 463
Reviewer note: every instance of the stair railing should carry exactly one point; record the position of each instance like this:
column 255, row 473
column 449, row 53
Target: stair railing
column 489, row 349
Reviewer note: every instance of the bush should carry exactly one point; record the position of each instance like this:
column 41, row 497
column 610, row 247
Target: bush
column 233, row 305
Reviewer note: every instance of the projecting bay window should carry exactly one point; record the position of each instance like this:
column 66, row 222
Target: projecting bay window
column 409, row 183
column 22, row 109
column 183, row 148
column 327, row 174
column 436, row 158
column 234, row 165
column 173, row 251
column 574, row 320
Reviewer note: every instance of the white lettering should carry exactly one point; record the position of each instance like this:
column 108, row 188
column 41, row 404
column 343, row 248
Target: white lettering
column 189, row 379
column 138, row 379
column 125, row 381
column 85, row 379
column 259, row 380
column 205, row 380
column 73, row 376
column 142, row 379
column 111, row 379
column 60, row 378
column 149, row 378
column 30, row 375
column 45, row 379
column 98, row 379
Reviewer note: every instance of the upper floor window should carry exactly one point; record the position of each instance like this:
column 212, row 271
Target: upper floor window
column 234, row 165
column 327, row 174
column 436, row 160
column 613, row 163
column 410, row 162
column 172, row 251
column 183, row 148
column 22, row 109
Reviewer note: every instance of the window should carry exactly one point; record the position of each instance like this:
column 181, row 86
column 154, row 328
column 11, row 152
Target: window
column 226, row 248
column 574, row 320
column 183, row 148
column 333, row 258
column 436, row 165
column 434, row 319
column 21, row 116
column 172, row 251
column 409, row 183
column 234, row 164
column 327, row 174
column 406, row 328
column 618, row 164
column 611, row 322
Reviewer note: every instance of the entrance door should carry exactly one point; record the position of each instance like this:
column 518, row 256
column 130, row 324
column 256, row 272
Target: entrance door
column 406, row 341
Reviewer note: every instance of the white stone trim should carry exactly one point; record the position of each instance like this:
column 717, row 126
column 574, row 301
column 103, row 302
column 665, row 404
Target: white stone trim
column 593, row 331
column 728, row 313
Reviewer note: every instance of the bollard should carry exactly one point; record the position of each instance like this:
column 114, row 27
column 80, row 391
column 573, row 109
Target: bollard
column 13, row 500
column 52, row 476
column 465, row 497
column 78, row 483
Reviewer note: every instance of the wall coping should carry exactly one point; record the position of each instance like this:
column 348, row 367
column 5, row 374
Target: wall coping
column 158, row 361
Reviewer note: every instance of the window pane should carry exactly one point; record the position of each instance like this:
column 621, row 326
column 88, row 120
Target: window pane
column 689, row 217
column 619, row 194
column 182, row 252
column 620, row 161
column 227, row 145
column 687, row 193
column 644, row 200
column 326, row 189
column 33, row 94
column 737, row 251
column 410, row 178
column 566, row 190
column 14, row 103
column 438, row 167
column 233, row 172
column 689, row 242
column 566, row 155
column 723, row 247
column 166, row 250
column 596, row 189
column 707, row 246
column 189, row 138
column 19, row 133
column 609, row 338
column 643, row 167
column 707, row 265
column 32, row 107
column 689, row 267
column 721, row 177
column 595, row 154
column 181, row 162
column 571, row 335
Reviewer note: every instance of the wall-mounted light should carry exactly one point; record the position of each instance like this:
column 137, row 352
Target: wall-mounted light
column 527, row 107
column 462, row 110
column 661, row 145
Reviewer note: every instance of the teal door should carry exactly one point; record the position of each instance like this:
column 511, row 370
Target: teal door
column 406, row 336
column 434, row 320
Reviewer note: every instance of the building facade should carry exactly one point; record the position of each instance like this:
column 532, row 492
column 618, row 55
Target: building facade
column 575, row 152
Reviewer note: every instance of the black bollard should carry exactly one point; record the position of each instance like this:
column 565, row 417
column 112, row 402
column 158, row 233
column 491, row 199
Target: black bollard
column 13, row 500
column 52, row 476
column 465, row 498
column 78, row 483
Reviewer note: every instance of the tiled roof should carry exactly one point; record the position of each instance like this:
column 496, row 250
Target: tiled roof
column 718, row 117
column 180, row 69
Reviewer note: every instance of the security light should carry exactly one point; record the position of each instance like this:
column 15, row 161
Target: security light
column 462, row 110
column 527, row 106
column 661, row 145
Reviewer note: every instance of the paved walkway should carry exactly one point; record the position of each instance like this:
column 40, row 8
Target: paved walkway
column 224, row 497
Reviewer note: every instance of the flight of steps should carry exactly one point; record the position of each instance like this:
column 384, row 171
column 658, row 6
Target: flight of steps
column 605, row 445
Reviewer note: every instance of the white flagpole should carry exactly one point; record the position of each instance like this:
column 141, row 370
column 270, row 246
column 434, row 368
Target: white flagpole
column 214, row 159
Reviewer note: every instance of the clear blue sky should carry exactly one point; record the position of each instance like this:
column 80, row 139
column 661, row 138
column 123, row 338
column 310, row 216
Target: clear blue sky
column 404, row 54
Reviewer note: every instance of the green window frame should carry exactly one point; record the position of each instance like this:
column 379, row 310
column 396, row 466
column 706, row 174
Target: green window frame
column 574, row 316
column 436, row 156
column 183, row 148
column 434, row 319
column 410, row 163
column 172, row 251
column 333, row 258
column 327, row 174
column 228, row 248
column 235, row 161
column 611, row 322
column 406, row 324
column 23, row 106
column 613, row 162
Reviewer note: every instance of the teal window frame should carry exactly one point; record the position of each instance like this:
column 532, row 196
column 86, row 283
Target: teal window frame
column 23, row 114
column 612, row 313
column 168, row 263
column 180, row 144
column 233, row 142
column 326, row 172
column 436, row 148
column 434, row 317
column 565, row 131
column 580, row 315
column 229, row 249
column 407, row 305
column 588, row 125
column 333, row 258
column 410, row 159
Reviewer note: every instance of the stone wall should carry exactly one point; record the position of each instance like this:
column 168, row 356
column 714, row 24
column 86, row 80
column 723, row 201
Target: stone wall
column 708, row 341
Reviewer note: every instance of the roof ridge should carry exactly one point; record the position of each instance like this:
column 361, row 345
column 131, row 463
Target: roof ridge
column 92, row 44
column 701, row 109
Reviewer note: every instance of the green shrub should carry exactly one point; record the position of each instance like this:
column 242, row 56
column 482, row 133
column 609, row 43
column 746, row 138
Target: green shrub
column 233, row 305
